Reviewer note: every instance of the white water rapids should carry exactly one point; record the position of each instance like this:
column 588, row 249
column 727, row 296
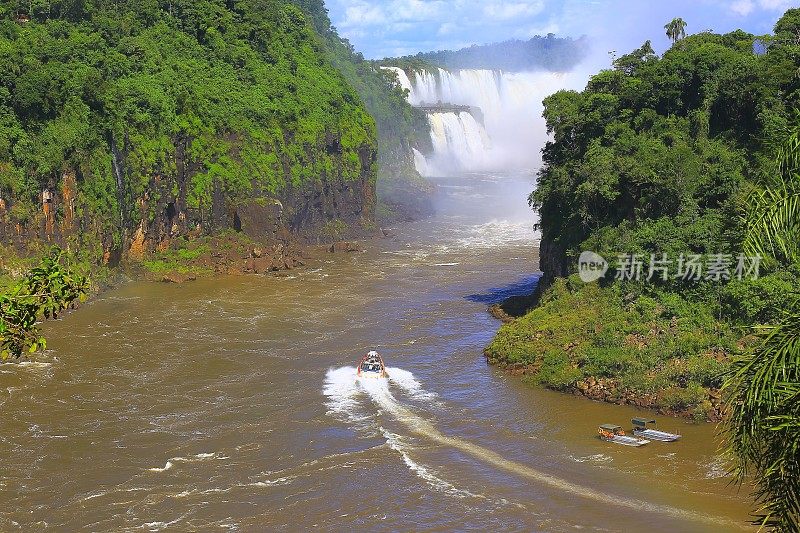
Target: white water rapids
column 506, row 134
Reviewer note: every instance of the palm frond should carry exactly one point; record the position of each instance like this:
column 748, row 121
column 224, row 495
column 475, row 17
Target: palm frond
column 773, row 225
column 763, row 427
column 772, row 214
column 789, row 155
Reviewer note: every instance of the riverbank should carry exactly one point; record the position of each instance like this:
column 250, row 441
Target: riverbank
column 233, row 255
column 616, row 347
column 225, row 254
column 188, row 257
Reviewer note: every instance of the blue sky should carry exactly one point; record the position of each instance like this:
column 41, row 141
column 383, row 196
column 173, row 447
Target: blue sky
column 380, row 28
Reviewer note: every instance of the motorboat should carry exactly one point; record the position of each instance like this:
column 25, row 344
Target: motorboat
column 615, row 434
column 371, row 366
column 641, row 429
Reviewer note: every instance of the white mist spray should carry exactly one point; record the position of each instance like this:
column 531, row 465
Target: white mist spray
column 505, row 131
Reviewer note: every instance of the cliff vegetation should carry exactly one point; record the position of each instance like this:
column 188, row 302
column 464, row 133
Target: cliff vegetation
column 125, row 126
column 662, row 155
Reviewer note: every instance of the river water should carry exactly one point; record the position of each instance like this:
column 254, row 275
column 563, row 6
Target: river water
column 231, row 404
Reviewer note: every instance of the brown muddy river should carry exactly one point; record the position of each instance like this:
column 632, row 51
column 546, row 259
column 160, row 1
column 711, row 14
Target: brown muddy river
column 231, row 404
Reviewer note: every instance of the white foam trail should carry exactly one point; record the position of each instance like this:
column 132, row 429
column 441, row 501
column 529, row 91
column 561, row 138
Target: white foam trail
column 406, row 381
column 429, row 476
column 380, row 394
column 343, row 387
column 342, row 390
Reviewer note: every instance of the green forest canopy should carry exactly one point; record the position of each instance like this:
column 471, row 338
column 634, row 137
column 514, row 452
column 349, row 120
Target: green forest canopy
column 399, row 125
column 661, row 155
column 657, row 154
column 246, row 82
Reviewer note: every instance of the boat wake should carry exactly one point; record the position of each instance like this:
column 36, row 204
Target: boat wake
column 344, row 393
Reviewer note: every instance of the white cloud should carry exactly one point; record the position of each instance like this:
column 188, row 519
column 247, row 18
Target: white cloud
column 447, row 28
column 388, row 27
column 395, row 15
column 532, row 31
column 445, row 23
column 742, row 7
column 746, row 7
column 362, row 14
column 512, row 10
column 418, row 10
column 776, row 5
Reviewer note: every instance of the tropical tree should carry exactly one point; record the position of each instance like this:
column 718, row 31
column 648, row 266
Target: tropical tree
column 676, row 29
column 763, row 427
column 44, row 292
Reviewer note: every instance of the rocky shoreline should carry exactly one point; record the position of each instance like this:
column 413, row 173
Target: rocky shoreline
column 608, row 390
column 256, row 259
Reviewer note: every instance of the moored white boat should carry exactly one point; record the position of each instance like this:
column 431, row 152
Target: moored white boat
column 640, row 429
column 615, row 434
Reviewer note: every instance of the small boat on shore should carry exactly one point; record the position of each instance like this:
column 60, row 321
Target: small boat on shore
column 371, row 366
column 615, row 434
column 641, row 429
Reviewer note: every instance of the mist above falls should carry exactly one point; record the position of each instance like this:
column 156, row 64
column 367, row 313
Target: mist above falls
column 503, row 130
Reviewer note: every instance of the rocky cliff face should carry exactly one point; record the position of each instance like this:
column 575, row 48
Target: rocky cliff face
column 322, row 209
column 552, row 262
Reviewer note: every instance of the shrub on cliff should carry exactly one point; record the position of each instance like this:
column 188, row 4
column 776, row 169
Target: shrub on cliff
column 44, row 292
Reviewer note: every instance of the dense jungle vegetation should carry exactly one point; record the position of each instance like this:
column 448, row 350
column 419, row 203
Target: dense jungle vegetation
column 661, row 155
column 400, row 126
column 152, row 100
column 694, row 152
column 245, row 82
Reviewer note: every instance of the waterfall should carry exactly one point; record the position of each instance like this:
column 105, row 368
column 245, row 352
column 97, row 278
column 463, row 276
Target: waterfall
column 459, row 143
column 402, row 77
column 420, row 163
column 508, row 134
